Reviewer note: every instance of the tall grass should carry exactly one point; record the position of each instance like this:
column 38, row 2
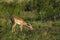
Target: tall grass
column 42, row 30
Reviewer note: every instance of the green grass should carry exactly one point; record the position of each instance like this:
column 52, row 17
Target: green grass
column 42, row 31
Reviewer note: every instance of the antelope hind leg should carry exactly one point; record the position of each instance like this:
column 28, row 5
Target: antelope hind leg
column 13, row 28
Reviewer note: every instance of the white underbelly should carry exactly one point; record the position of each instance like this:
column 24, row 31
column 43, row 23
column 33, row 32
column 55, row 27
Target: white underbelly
column 18, row 22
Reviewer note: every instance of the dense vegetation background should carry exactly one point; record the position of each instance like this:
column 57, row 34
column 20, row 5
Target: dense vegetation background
column 44, row 15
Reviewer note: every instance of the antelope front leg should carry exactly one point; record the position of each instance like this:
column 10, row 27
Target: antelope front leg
column 21, row 28
column 13, row 28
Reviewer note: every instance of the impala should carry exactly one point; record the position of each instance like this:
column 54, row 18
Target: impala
column 17, row 20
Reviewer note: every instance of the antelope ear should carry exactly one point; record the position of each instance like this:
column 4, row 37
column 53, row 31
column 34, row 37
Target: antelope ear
column 30, row 24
